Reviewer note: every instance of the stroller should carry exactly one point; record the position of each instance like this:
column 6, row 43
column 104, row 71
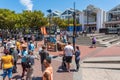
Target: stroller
column 63, row 63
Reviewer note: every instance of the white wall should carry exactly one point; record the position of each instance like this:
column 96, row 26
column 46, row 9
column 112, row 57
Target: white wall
column 82, row 19
column 100, row 19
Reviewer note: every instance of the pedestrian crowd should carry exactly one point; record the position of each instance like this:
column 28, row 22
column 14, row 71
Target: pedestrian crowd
column 19, row 49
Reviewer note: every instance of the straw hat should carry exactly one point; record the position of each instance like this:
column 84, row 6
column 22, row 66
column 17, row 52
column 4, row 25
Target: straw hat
column 24, row 46
column 12, row 46
column 31, row 41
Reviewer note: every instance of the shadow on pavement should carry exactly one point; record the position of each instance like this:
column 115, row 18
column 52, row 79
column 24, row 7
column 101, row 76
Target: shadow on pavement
column 19, row 77
column 37, row 78
column 62, row 69
column 102, row 68
column 54, row 57
column 73, row 70
column 16, row 77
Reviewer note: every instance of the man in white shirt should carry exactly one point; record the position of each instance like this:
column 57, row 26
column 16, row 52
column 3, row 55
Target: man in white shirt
column 13, row 41
column 8, row 44
column 68, row 52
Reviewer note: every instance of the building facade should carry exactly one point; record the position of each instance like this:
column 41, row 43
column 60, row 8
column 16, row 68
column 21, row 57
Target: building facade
column 54, row 14
column 92, row 18
column 68, row 14
column 113, row 17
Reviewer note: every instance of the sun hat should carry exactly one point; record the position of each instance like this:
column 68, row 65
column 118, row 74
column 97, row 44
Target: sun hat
column 24, row 46
column 12, row 46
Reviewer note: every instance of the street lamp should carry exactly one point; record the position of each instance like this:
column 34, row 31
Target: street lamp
column 50, row 12
column 74, row 29
column 68, row 17
column 68, row 23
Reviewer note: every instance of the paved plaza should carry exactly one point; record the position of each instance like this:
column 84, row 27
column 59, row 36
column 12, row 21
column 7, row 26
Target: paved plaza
column 100, row 63
column 38, row 34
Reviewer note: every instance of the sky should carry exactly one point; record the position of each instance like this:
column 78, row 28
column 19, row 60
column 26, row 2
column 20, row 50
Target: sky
column 60, row 5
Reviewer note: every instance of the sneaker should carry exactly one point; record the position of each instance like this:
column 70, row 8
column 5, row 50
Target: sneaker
column 77, row 70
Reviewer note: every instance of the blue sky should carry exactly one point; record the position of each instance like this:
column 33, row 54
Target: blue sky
column 60, row 5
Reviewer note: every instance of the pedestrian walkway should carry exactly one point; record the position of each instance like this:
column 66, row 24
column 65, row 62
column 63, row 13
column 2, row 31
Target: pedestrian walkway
column 95, row 64
column 109, row 51
column 58, row 75
column 101, row 68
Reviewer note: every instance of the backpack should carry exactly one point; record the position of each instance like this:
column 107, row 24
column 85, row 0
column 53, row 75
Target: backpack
column 28, row 63
column 44, row 55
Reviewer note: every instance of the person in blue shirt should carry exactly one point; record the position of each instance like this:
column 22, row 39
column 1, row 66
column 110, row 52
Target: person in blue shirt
column 77, row 58
column 23, row 55
column 1, row 41
column 31, row 46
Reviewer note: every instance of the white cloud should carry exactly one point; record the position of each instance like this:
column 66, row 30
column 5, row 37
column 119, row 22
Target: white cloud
column 27, row 3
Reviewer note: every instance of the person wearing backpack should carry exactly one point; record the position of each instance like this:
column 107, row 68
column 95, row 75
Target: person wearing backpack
column 30, row 63
column 43, row 55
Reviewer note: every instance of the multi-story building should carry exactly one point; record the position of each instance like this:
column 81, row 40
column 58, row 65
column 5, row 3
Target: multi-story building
column 68, row 14
column 54, row 14
column 113, row 17
column 92, row 18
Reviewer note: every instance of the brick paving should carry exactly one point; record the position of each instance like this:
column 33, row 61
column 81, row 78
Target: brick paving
column 37, row 69
column 85, row 51
column 58, row 75
column 37, row 72
column 110, row 51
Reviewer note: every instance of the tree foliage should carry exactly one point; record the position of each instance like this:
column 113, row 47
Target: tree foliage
column 7, row 18
column 59, row 22
column 11, row 20
column 28, row 19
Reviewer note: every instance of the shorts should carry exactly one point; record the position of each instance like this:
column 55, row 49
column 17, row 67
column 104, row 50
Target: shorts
column 7, row 72
column 68, row 59
column 30, row 72
column 24, row 66
column 93, row 42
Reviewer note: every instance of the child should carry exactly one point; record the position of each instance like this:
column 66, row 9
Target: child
column 93, row 42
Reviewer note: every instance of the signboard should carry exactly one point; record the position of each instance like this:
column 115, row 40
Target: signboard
column 71, row 28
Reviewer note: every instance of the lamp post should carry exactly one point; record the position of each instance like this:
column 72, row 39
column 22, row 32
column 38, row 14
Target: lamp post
column 49, row 11
column 68, row 24
column 74, row 28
